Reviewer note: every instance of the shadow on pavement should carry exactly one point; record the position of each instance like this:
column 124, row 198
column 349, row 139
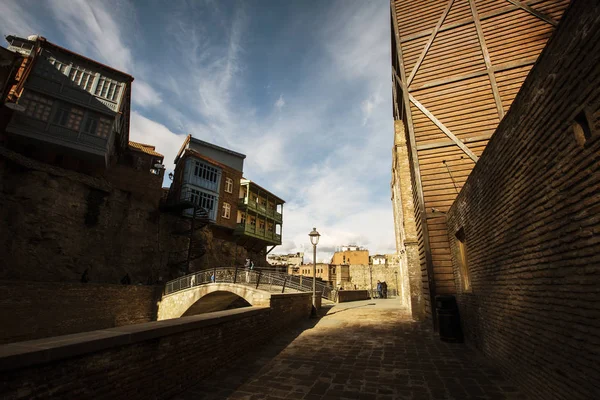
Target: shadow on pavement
column 227, row 379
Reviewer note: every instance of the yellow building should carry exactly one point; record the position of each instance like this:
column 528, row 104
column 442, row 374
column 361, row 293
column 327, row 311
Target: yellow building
column 324, row 271
column 350, row 255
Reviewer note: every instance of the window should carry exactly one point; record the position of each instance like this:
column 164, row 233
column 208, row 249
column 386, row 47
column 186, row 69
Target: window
column 261, row 224
column 108, row 89
column 96, row 125
column 69, row 117
column 82, row 77
column 205, row 172
column 462, row 260
column 226, row 210
column 204, row 200
column 229, row 185
column 243, row 219
column 36, row 106
column 61, row 66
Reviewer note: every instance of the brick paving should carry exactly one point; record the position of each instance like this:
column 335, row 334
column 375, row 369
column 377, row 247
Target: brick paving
column 359, row 350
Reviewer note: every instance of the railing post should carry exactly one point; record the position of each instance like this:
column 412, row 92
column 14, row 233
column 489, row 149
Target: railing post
column 235, row 275
column 215, row 273
column 284, row 282
column 258, row 279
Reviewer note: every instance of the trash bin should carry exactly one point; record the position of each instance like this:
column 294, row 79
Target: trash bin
column 448, row 319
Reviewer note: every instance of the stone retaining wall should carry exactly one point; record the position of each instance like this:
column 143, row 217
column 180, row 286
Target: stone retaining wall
column 153, row 360
column 352, row 295
column 32, row 310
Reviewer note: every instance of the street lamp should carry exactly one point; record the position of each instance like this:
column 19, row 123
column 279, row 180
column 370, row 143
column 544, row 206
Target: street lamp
column 314, row 239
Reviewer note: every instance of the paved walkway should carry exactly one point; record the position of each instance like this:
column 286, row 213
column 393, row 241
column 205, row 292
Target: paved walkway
column 358, row 350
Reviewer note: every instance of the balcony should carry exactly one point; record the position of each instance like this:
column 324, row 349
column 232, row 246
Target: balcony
column 271, row 213
column 255, row 232
column 91, row 146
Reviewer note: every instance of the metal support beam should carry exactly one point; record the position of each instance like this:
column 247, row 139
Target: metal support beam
column 429, row 42
column 443, row 128
column 271, row 249
column 488, row 62
column 462, row 77
column 535, row 12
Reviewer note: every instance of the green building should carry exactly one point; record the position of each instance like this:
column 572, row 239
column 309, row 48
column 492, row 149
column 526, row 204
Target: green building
column 260, row 216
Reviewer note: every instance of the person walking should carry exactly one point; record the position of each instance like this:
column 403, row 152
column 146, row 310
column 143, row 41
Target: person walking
column 384, row 289
column 379, row 290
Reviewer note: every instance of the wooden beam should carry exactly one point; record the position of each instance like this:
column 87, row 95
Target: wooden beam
column 465, row 21
column 488, row 62
column 462, row 77
column 448, row 143
column 535, row 12
column 443, row 128
column 429, row 42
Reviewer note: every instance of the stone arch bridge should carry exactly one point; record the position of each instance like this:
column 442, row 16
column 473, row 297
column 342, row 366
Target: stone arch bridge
column 222, row 288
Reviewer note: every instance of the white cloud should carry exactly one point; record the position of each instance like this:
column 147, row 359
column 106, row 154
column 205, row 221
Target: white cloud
column 15, row 20
column 144, row 95
column 167, row 143
column 95, row 30
column 370, row 104
column 280, row 102
column 89, row 27
column 329, row 155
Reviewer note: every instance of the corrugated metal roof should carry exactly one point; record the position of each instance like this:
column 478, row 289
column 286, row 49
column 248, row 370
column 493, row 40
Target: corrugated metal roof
column 145, row 148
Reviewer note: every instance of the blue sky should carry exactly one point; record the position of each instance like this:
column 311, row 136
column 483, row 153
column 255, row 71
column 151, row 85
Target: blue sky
column 303, row 88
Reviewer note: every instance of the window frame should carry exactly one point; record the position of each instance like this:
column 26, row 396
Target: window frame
column 206, row 172
column 42, row 106
column 66, row 114
column 463, row 261
column 226, row 210
column 228, row 185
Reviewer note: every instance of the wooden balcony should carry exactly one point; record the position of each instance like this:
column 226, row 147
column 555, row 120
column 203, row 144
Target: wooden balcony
column 256, row 232
column 270, row 213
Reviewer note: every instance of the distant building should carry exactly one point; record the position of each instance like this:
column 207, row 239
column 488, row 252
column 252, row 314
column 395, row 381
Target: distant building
column 378, row 259
column 293, row 260
column 350, row 255
column 209, row 176
column 325, row 272
column 67, row 110
column 208, row 186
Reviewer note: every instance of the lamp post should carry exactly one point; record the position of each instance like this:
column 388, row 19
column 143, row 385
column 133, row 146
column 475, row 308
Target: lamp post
column 314, row 240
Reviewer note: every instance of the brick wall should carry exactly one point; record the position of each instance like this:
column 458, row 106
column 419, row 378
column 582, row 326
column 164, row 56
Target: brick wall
column 32, row 310
column 352, row 295
column 146, row 361
column 230, row 198
column 56, row 224
column 360, row 275
column 529, row 213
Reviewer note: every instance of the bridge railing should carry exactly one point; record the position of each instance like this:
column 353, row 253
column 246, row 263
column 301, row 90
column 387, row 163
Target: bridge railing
column 271, row 281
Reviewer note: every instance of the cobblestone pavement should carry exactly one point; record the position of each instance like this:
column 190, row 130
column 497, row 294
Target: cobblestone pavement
column 359, row 350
